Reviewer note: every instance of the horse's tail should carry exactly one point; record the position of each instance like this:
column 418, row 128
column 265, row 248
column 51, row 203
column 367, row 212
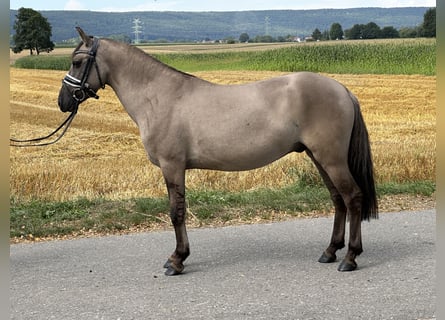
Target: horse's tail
column 360, row 163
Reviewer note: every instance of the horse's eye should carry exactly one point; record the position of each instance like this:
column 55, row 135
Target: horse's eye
column 77, row 63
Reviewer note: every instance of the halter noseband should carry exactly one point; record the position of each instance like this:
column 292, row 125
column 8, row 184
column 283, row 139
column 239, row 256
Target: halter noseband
column 82, row 89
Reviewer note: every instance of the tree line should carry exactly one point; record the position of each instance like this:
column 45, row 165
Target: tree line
column 372, row 31
column 359, row 31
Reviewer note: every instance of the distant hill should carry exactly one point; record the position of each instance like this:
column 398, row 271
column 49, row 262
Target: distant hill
column 189, row 26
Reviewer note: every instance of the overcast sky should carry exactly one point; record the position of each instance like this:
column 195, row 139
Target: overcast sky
column 209, row 5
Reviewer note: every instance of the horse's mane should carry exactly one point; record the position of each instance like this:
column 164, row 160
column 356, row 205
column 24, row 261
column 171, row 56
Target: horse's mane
column 142, row 55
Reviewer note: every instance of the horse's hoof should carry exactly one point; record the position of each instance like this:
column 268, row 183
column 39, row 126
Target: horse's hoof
column 172, row 269
column 327, row 259
column 347, row 266
column 171, row 272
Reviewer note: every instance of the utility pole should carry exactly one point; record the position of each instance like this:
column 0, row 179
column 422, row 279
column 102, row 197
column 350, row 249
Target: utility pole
column 267, row 25
column 137, row 26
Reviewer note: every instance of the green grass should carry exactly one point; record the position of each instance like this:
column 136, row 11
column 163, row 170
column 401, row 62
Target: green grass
column 391, row 57
column 48, row 62
column 45, row 219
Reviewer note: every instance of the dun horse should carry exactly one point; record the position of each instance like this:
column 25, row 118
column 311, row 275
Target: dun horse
column 186, row 122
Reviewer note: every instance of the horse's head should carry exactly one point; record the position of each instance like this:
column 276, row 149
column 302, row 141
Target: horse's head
column 84, row 78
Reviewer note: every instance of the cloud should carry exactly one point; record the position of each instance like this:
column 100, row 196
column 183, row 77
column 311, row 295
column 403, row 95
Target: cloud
column 74, row 5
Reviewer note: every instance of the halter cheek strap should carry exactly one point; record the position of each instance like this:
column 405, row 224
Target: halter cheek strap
column 82, row 90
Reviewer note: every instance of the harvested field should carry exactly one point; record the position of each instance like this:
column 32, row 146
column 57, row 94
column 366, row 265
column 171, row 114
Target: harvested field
column 102, row 156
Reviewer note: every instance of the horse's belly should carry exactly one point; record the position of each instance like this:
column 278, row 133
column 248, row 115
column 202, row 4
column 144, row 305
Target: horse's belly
column 242, row 153
column 241, row 133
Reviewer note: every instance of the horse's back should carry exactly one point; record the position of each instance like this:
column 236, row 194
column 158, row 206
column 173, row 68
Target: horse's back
column 243, row 127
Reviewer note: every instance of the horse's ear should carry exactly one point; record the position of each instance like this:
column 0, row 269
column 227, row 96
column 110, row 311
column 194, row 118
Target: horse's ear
column 87, row 40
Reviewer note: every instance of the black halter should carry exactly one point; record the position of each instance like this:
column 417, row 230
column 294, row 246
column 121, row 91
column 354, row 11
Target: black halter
column 81, row 92
column 82, row 89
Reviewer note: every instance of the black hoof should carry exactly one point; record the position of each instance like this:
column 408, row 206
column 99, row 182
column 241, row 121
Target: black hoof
column 327, row 259
column 171, row 272
column 347, row 266
column 172, row 269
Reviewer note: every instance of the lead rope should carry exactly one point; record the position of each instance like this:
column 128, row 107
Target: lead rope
column 81, row 86
column 28, row 143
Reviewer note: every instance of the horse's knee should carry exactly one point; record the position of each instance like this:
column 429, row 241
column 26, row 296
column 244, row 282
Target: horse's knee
column 177, row 205
column 177, row 216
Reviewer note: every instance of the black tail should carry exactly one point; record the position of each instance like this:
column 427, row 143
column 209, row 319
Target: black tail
column 360, row 163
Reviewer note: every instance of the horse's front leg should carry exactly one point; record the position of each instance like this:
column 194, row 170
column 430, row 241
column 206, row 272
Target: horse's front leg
column 175, row 180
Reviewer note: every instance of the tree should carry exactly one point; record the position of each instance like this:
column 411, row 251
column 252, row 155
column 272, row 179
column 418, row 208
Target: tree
column 32, row 31
column 316, row 35
column 355, row 32
column 408, row 32
column 429, row 23
column 371, row 31
column 389, row 32
column 336, row 32
column 244, row 37
column 229, row 40
column 325, row 35
column 264, row 39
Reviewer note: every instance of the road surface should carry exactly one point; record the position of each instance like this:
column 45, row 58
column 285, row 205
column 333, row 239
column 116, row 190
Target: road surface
column 265, row 271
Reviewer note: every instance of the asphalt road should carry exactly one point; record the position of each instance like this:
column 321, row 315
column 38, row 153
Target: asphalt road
column 267, row 271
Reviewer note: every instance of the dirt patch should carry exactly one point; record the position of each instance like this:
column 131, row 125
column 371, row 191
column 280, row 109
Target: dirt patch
column 403, row 202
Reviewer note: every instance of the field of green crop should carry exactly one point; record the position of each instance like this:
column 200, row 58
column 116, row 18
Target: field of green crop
column 390, row 57
column 412, row 56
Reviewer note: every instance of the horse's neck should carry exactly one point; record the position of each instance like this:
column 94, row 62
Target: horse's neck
column 140, row 81
column 129, row 67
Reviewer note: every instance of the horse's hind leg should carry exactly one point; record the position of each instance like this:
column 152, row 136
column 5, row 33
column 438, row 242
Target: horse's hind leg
column 175, row 180
column 347, row 198
column 338, row 232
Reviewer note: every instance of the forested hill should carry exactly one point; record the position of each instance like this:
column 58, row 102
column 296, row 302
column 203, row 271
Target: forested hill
column 218, row 25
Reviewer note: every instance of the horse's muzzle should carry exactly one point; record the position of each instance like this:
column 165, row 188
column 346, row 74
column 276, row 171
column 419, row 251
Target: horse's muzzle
column 66, row 101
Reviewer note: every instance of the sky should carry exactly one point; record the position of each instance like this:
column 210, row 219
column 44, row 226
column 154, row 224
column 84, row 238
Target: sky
column 210, row 5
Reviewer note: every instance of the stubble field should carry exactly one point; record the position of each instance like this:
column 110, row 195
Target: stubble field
column 101, row 156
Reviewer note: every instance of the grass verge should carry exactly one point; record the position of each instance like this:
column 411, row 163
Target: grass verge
column 41, row 219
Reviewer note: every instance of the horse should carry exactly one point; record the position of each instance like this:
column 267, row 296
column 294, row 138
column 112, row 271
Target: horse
column 187, row 123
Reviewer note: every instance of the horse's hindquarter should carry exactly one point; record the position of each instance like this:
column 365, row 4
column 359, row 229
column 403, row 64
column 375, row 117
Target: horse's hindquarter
column 325, row 114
